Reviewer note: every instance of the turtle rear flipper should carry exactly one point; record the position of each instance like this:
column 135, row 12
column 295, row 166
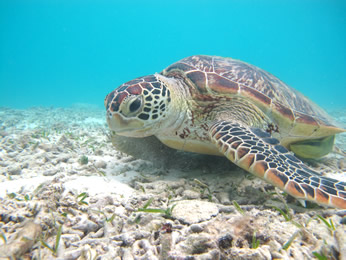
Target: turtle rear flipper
column 315, row 148
column 257, row 152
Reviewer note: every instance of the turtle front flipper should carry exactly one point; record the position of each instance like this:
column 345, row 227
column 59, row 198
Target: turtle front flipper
column 257, row 152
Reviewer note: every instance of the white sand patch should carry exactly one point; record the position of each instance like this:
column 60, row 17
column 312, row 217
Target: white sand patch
column 95, row 185
column 30, row 126
column 22, row 185
column 94, row 121
column 337, row 176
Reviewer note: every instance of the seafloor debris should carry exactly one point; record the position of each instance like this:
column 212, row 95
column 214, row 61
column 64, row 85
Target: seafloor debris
column 118, row 207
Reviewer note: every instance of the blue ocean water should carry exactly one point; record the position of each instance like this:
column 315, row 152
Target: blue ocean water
column 57, row 53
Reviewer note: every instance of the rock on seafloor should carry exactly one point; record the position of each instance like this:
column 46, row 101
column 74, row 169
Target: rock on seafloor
column 190, row 212
column 66, row 193
column 22, row 241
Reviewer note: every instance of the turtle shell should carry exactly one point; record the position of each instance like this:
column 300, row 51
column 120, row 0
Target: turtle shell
column 212, row 76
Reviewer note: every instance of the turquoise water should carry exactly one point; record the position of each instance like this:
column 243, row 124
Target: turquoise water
column 57, row 53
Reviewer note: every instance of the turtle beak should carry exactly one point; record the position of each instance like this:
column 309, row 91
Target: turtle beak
column 114, row 121
column 123, row 126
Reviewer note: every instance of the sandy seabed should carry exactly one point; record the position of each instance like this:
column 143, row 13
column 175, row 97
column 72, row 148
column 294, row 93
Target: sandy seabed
column 67, row 193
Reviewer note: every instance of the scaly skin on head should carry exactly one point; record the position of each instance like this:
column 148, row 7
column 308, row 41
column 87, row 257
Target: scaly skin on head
column 146, row 105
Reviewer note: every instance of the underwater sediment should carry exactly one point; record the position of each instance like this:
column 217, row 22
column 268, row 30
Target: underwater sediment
column 66, row 193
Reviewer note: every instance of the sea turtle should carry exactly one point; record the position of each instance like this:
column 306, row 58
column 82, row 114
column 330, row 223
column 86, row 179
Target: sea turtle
column 222, row 106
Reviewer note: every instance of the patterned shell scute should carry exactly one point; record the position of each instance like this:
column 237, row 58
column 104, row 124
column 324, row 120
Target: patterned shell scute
column 226, row 75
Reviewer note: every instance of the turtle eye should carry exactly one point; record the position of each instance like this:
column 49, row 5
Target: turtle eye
column 135, row 105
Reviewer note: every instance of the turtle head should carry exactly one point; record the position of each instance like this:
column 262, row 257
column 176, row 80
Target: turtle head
column 139, row 107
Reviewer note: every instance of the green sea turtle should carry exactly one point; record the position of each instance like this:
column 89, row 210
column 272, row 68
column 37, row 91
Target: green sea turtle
column 222, row 106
